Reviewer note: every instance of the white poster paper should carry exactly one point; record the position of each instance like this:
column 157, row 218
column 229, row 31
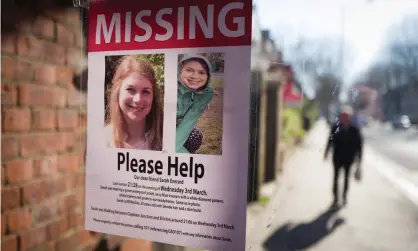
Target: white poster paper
column 168, row 117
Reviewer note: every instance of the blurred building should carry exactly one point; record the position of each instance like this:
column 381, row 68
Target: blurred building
column 365, row 101
column 265, row 108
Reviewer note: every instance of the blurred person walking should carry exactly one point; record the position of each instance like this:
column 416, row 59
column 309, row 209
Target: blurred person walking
column 346, row 141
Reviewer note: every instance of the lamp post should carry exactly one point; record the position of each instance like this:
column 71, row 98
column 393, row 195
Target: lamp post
column 342, row 43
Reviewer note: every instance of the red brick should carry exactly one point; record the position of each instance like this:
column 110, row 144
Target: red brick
column 61, row 184
column 65, row 76
column 9, row 243
column 8, row 68
column 16, row 119
column 30, row 94
column 25, row 27
column 73, row 17
column 33, row 193
column 67, row 119
column 55, row 143
column 19, row 170
column 56, row 186
column 45, row 166
column 72, row 140
column 80, row 196
column 20, row 219
column 10, row 147
column 43, row 27
column 68, row 162
column 44, row 119
column 3, row 225
column 57, row 228
column 30, row 46
column 79, row 40
column 33, row 237
column 60, row 97
column 32, row 145
column 84, row 237
column 71, row 181
column 46, row 74
column 70, row 202
column 136, row 244
column 80, row 179
column 46, row 211
column 8, row 94
column 82, row 157
column 74, row 57
column 45, row 143
column 77, row 98
column 65, row 35
column 82, row 120
column 67, row 204
column 10, row 198
column 57, row 15
column 8, row 43
column 75, row 180
column 50, row 246
column 56, row 53
column 67, row 243
column 75, row 220
column 25, row 70
column 3, row 176
column 80, row 137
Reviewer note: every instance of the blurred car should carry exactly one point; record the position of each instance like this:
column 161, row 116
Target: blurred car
column 401, row 122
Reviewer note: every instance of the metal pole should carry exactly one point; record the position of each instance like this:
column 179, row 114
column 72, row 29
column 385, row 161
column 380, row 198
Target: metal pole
column 342, row 56
column 342, row 40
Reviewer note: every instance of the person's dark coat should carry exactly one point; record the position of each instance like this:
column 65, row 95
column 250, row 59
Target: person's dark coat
column 346, row 143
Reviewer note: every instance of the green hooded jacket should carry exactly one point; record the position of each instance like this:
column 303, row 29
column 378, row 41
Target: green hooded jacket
column 191, row 104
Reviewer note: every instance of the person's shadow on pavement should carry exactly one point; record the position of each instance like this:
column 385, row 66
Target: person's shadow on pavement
column 304, row 235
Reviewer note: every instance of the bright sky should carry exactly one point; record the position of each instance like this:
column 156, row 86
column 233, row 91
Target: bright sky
column 365, row 22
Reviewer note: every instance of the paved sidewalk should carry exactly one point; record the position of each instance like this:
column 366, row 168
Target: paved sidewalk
column 378, row 217
column 254, row 210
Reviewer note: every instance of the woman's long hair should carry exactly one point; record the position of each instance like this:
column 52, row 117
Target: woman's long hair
column 154, row 120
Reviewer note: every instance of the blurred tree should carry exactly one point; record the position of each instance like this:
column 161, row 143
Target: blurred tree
column 319, row 56
column 403, row 49
column 328, row 88
column 322, row 61
column 398, row 56
column 395, row 67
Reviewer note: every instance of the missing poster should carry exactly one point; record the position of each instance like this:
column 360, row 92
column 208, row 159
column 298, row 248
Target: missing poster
column 168, row 117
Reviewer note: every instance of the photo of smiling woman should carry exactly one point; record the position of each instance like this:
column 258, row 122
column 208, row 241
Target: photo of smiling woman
column 134, row 113
column 200, row 104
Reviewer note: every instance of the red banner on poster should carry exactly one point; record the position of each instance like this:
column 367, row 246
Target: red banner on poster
column 128, row 25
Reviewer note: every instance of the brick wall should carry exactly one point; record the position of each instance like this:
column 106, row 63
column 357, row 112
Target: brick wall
column 43, row 133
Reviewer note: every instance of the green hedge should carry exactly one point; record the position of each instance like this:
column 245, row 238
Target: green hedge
column 311, row 109
column 291, row 125
column 292, row 120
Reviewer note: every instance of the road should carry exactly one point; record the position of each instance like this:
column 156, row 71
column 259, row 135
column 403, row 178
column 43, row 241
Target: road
column 381, row 215
column 401, row 145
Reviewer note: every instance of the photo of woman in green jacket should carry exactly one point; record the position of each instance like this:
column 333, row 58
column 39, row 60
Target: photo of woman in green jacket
column 194, row 93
